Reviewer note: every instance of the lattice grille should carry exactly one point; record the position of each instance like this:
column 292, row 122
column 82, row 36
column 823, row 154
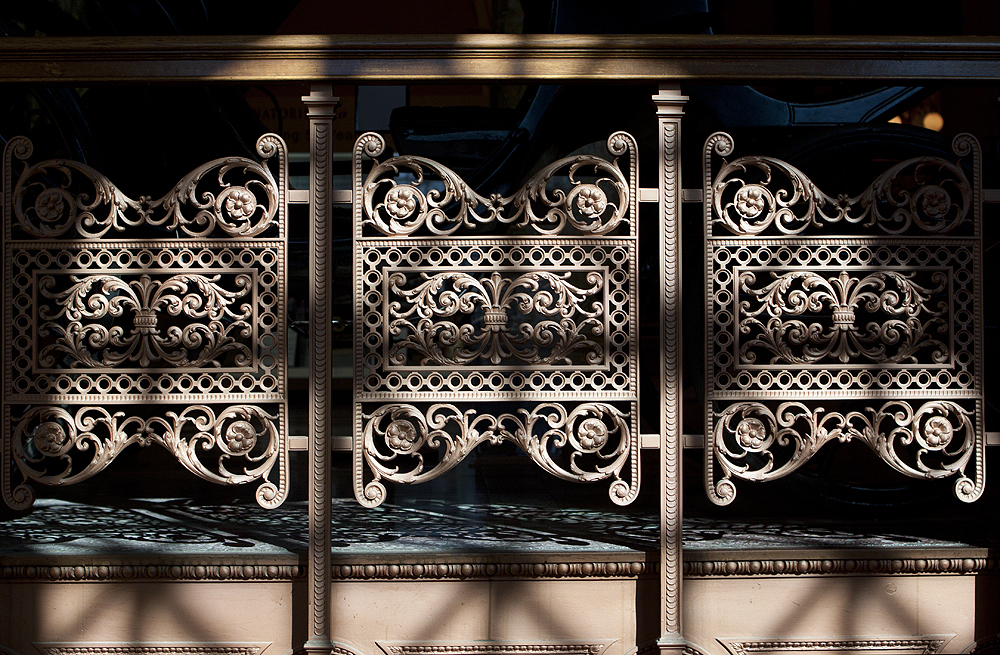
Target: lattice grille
column 843, row 318
column 174, row 335
column 495, row 319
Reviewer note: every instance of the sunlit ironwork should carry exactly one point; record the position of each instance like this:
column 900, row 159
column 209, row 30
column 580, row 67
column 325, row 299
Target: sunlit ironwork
column 495, row 319
column 847, row 318
column 145, row 321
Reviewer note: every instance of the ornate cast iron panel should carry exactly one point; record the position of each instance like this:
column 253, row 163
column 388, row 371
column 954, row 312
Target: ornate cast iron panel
column 843, row 318
column 495, row 319
column 144, row 322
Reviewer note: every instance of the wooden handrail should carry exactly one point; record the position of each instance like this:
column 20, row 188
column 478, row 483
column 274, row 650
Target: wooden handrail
column 496, row 58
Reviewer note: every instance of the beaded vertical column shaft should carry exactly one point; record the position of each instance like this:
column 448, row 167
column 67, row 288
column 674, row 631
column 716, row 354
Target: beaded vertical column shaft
column 669, row 105
column 322, row 105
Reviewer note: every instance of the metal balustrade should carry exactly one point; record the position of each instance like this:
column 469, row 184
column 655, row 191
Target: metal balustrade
column 843, row 318
column 932, row 351
column 496, row 319
column 148, row 321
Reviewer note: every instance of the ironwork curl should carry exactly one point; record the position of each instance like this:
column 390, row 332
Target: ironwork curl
column 191, row 296
column 752, row 442
column 396, row 431
column 890, row 314
column 907, row 323
column 56, row 197
column 437, row 200
column 753, row 193
column 49, row 441
column 573, row 328
column 451, row 310
column 185, row 328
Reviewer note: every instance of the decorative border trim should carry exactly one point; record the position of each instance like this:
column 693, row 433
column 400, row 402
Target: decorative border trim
column 452, row 571
column 841, row 567
column 144, row 572
column 285, row 572
column 154, row 648
column 923, row 645
column 540, row 570
column 495, row 648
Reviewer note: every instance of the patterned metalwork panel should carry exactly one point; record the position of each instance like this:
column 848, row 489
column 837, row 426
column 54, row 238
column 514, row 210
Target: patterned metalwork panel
column 495, row 319
column 843, row 318
column 144, row 321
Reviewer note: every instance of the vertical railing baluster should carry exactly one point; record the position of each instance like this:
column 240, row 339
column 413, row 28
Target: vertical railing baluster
column 322, row 105
column 669, row 105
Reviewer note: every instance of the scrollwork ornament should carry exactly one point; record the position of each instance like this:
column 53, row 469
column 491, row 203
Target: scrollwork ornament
column 57, row 197
column 50, row 443
column 45, row 437
column 270, row 146
column 436, row 316
column 234, row 209
column 934, row 440
column 17, row 148
column 754, row 207
column 403, row 444
column 434, row 313
column 587, row 207
column 620, row 144
column 892, row 300
column 151, row 303
column 235, row 431
column 55, row 210
column 904, row 319
column 405, row 195
column 216, row 323
column 751, row 194
column 938, row 204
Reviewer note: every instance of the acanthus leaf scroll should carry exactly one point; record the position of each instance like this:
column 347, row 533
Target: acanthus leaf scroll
column 408, row 195
column 756, row 195
column 934, row 439
column 242, row 434
column 146, row 301
column 901, row 319
column 586, row 443
column 569, row 323
column 57, row 198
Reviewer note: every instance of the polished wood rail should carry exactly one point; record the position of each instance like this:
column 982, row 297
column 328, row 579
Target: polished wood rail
column 496, row 57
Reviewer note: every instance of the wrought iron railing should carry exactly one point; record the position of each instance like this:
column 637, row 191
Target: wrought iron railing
column 843, row 318
column 496, row 319
column 664, row 60
column 144, row 321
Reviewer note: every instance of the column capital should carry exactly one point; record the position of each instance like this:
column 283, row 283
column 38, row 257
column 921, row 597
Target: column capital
column 669, row 101
column 321, row 102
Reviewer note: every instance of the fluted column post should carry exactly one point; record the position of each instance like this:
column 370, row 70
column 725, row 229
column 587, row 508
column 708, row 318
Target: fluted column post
column 669, row 105
column 321, row 105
